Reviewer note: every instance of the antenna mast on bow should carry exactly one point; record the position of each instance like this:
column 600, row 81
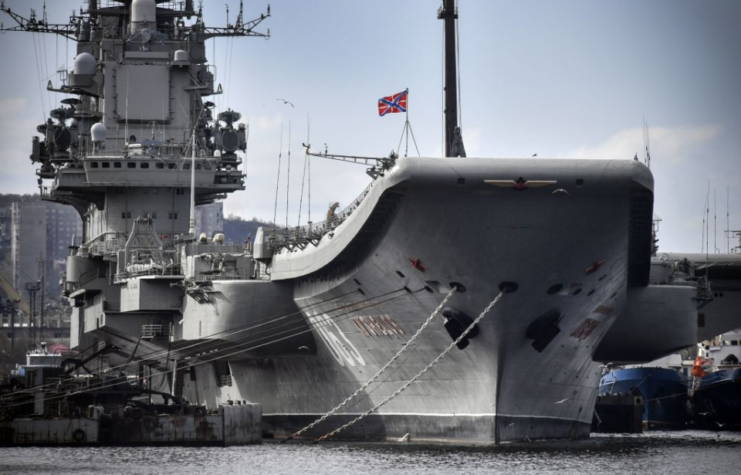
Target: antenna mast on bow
column 453, row 139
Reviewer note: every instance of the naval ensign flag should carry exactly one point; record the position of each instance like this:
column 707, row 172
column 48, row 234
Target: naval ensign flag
column 393, row 104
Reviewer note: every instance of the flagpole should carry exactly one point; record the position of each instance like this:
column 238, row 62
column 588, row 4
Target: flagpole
column 406, row 124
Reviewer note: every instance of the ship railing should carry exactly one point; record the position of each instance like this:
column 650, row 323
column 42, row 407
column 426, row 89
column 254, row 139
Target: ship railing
column 301, row 236
column 106, row 243
column 210, row 277
column 144, row 270
column 150, row 332
column 230, row 248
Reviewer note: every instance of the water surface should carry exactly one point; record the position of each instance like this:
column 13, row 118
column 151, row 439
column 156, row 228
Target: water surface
column 665, row 453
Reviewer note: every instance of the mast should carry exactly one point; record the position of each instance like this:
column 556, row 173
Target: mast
column 453, row 142
column 192, row 222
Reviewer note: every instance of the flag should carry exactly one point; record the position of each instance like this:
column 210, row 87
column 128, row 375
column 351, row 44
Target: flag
column 393, row 104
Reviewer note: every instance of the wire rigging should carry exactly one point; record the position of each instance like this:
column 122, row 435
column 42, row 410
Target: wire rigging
column 38, row 74
column 303, row 176
column 277, row 183
column 353, row 308
column 288, row 174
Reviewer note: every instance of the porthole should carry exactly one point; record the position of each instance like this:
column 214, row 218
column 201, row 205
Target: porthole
column 555, row 288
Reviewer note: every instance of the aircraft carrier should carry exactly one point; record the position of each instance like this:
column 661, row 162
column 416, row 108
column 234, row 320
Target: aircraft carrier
column 303, row 317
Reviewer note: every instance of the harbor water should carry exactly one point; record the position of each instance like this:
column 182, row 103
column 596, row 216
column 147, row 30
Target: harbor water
column 685, row 452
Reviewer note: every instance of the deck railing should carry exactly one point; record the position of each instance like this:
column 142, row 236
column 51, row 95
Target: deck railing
column 311, row 233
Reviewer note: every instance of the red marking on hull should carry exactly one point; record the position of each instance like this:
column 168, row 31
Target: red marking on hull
column 417, row 264
column 594, row 267
column 585, row 329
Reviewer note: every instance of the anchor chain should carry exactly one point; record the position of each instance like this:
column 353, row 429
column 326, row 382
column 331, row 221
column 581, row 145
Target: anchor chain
column 396, row 356
column 419, row 375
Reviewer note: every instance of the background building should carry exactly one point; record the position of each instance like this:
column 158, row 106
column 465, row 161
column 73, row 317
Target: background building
column 210, row 219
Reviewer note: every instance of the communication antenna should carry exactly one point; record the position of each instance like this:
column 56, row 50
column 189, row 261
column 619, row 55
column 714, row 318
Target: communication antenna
column 728, row 220
column 646, row 145
column 715, row 221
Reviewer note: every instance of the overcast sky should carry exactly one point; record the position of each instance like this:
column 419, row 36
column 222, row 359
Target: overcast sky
column 557, row 78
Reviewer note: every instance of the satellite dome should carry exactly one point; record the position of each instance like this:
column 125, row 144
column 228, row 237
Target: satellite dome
column 84, row 64
column 143, row 11
column 181, row 55
column 98, row 131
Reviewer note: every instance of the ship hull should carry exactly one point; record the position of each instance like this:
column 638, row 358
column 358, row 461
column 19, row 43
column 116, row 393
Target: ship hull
column 717, row 401
column 528, row 374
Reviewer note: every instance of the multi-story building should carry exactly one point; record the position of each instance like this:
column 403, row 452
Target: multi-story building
column 40, row 235
column 28, row 243
column 210, row 219
column 63, row 224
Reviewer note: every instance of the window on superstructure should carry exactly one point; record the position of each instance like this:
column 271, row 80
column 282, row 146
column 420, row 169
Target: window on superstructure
column 106, row 164
column 144, row 165
column 186, row 166
column 116, row 164
column 171, row 166
column 131, row 165
column 154, row 215
column 198, row 166
column 93, row 164
column 160, row 165
column 223, row 374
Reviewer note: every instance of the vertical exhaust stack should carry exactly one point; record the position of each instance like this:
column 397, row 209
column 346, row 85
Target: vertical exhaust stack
column 143, row 16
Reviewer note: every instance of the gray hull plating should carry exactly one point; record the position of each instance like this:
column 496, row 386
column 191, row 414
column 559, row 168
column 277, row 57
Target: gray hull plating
column 570, row 246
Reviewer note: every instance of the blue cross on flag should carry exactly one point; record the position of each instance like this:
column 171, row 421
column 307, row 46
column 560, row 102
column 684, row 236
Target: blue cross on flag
column 393, row 104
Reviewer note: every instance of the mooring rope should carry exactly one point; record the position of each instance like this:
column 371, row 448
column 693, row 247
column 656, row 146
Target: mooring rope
column 391, row 361
column 419, row 375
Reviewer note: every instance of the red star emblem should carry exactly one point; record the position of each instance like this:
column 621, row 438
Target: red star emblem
column 417, row 264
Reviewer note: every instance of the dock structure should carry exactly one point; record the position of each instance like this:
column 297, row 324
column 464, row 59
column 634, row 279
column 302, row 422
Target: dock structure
column 230, row 425
column 618, row 413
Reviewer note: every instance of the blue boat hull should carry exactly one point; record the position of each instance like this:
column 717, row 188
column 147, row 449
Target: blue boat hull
column 664, row 392
column 717, row 401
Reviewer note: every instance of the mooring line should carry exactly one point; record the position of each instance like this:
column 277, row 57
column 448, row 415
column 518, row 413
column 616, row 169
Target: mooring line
column 367, row 383
column 419, row 375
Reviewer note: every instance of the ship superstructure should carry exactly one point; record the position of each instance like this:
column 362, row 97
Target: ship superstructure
column 301, row 321
column 133, row 148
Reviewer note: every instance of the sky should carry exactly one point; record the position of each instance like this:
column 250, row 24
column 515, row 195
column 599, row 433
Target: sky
column 560, row 79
